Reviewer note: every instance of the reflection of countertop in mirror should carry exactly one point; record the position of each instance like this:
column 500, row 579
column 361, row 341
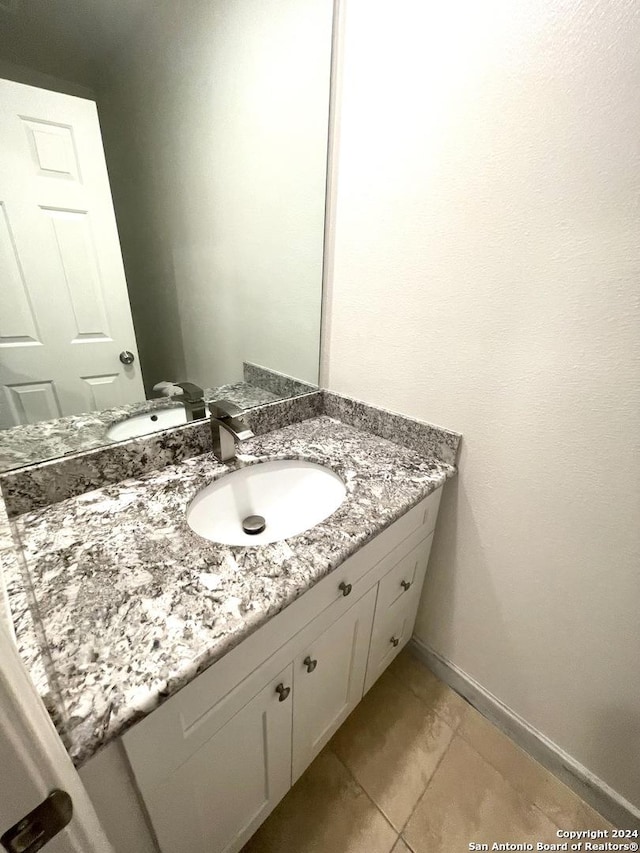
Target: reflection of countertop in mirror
column 134, row 604
column 26, row 445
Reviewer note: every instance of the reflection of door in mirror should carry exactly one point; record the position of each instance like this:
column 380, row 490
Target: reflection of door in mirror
column 213, row 120
column 64, row 307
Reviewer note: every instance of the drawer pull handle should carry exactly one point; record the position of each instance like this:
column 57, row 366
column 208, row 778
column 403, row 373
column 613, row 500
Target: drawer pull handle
column 394, row 642
column 310, row 664
column 346, row 588
column 405, row 585
column 282, row 692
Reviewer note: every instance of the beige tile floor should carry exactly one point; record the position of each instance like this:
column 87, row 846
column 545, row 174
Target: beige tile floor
column 415, row 769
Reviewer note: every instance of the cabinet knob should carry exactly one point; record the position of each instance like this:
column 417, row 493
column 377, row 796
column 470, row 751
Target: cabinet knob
column 346, row 588
column 282, row 692
column 394, row 641
column 405, row 585
column 310, row 664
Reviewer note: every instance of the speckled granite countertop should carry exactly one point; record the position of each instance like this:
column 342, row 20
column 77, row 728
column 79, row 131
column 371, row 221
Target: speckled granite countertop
column 16, row 609
column 134, row 604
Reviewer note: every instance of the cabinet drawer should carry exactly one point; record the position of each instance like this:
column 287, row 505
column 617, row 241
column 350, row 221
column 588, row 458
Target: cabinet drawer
column 383, row 551
column 429, row 509
column 405, row 577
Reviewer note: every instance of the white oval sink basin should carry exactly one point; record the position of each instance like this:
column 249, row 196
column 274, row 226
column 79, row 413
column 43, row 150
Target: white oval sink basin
column 146, row 422
column 291, row 496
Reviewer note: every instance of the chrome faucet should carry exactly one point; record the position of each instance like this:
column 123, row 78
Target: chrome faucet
column 227, row 429
column 193, row 400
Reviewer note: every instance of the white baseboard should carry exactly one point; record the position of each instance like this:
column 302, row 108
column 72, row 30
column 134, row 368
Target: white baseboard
column 611, row 805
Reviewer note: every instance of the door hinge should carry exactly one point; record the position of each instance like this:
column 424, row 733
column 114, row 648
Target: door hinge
column 34, row 830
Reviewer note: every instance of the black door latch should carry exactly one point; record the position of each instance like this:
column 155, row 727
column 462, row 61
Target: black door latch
column 33, row 831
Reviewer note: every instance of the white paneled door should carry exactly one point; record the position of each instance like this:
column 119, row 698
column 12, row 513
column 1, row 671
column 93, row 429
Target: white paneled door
column 64, row 306
column 34, row 763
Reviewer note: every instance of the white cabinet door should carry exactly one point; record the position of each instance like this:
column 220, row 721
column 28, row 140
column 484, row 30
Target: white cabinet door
column 214, row 801
column 64, row 305
column 328, row 681
column 396, row 609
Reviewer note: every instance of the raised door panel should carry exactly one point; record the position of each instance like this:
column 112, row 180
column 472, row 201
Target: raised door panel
column 53, row 149
column 78, row 261
column 18, row 326
column 29, row 403
column 103, row 392
column 64, row 307
column 328, row 681
column 215, row 800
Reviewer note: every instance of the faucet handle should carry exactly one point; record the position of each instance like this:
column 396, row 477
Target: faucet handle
column 227, row 428
column 224, row 409
column 192, row 393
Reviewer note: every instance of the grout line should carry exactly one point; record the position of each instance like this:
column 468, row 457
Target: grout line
column 408, row 846
column 612, row 806
column 539, row 767
column 426, row 787
column 548, row 817
column 530, row 801
column 404, row 825
column 442, row 719
column 366, row 793
column 518, row 794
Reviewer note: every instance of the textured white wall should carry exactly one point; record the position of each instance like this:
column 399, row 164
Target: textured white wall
column 486, row 277
column 219, row 184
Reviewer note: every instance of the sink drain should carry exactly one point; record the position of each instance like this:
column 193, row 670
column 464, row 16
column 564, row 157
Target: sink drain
column 253, row 524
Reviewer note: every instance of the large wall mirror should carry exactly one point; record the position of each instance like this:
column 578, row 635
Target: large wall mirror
column 162, row 194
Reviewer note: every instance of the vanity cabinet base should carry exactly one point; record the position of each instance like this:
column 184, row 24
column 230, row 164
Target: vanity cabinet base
column 215, row 759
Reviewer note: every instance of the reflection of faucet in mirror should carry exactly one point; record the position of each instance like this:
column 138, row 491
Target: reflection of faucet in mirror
column 193, row 400
column 110, row 258
column 227, row 429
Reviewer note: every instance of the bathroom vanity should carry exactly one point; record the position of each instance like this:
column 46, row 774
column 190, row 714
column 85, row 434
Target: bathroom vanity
column 237, row 738
column 213, row 674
